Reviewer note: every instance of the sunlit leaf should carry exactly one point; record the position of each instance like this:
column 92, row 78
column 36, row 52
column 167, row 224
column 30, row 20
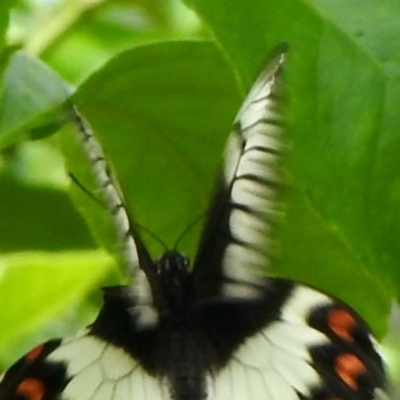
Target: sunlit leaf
column 72, row 275
column 30, row 100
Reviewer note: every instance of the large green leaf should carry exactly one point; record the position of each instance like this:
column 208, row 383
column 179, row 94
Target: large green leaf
column 343, row 90
column 163, row 113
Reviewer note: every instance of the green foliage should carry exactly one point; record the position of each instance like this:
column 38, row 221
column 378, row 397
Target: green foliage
column 163, row 112
column 163, row 122
column 29, row 273
column 27, row 103
column 342, row 84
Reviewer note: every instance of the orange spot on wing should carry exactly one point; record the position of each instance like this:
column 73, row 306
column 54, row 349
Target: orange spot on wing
column 34, row 353
column 341, row 323
column 349, row 368
column 31, row 389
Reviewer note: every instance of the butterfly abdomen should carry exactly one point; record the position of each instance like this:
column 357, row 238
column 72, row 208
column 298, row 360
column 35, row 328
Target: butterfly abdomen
column 174, row 351
column 184, row 358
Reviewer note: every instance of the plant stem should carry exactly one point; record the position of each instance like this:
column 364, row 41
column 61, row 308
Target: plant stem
column 58, row 24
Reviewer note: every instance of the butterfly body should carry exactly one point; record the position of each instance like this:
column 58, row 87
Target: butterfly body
column 192, row 339
column 219, row 329
column 184, row 354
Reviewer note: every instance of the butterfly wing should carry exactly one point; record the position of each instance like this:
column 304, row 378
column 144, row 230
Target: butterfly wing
column 310, row 347
column 133, row 253
column 296, row 345
column 275, row 339
column 83, row 367
column 110, row 360
column 237, row 244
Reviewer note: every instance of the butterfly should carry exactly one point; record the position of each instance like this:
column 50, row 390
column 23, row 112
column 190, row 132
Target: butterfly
column 219, row 329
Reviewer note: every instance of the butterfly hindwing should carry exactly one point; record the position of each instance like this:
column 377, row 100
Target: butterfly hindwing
column 83, row 367
column 315, row 348
column 33, row 377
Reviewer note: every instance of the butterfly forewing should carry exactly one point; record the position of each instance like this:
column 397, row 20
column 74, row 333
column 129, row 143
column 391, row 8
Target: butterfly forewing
column 237, row 243
column 135, row 257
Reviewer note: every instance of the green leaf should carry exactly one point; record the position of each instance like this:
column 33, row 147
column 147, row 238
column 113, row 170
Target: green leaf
column 49, row 283
column 343, row 89
column 30, row 100
column 39, row 218
column 163, row 112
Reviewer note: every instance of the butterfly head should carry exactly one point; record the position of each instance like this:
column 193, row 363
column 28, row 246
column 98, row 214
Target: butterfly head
column 173, row 271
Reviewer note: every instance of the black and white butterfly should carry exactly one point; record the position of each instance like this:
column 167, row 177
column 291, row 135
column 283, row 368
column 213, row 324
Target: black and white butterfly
column 219, row 329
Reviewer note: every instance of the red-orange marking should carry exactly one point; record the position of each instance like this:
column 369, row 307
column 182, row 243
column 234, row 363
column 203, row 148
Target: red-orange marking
column 341, row 323
column 34, row 353
column 31, row 389
column 349, row 368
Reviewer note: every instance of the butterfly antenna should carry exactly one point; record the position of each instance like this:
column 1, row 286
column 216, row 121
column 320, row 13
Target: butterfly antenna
column 85, row 190
column 189, row 228
column 153, row 235
column 102, row 205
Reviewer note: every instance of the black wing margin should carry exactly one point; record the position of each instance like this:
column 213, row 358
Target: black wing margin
column 237, row 242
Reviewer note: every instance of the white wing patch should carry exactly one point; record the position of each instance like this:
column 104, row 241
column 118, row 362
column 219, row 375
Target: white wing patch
column 112, row 196
column 101, row 371
column 251, row 158
column 275, row 363
column 116, row 205
column 302, row 300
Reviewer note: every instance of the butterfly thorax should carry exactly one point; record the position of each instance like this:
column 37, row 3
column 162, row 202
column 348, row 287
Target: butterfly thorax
column 174, row 278
column 175, row 349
